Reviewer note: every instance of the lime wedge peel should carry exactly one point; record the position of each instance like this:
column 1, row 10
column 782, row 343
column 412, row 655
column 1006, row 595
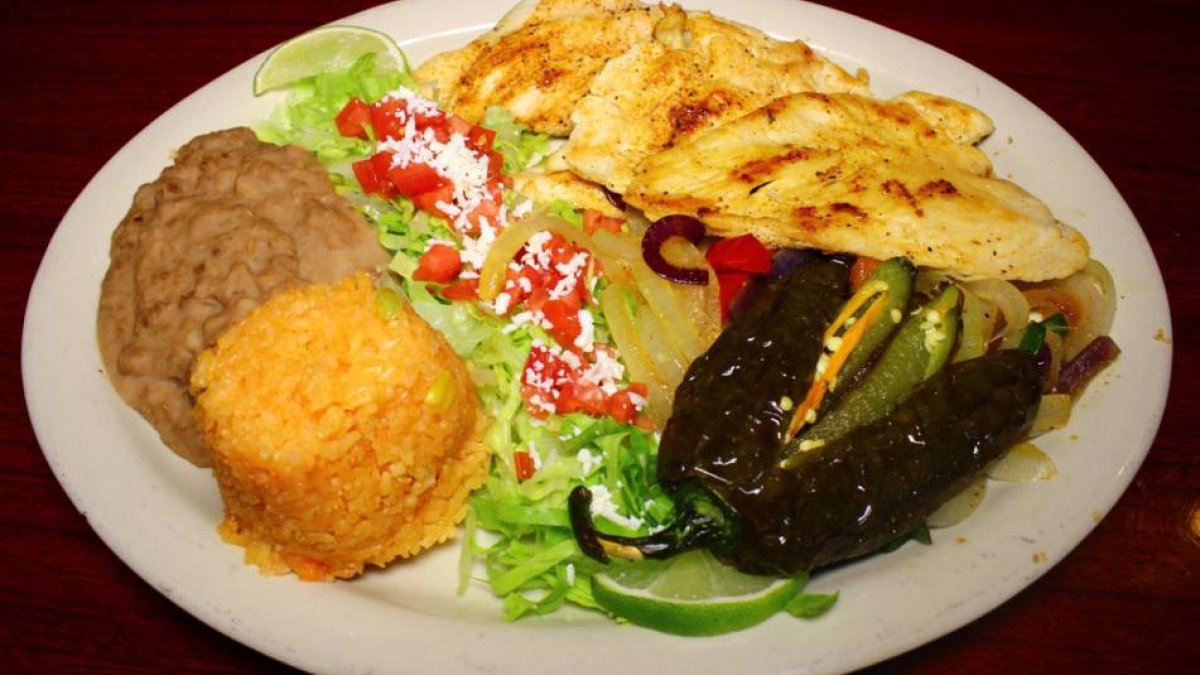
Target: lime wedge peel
column 323, row 50
column 692, row 594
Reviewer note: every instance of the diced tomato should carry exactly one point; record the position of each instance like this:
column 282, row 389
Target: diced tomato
column 386, row 118
column 428, row 201
column 541, row 381
column 439, row 264
column 416, row 178
column 621, row 407
column 523, row 465
column 561, row 251
column 537, row 298
column 459, row 126
column 495, row 167
column 353, row 118
column 382, row 163
column 488, row 208
column 461, row 289
column 371, row 180
column 441, row 132
column 594, row 220
column 578, row 395
column 517, row 290
column 549, row 384
column 730, row 284
column 480, row 138
column 740, row 254
column 563, row 315
column 435, row 120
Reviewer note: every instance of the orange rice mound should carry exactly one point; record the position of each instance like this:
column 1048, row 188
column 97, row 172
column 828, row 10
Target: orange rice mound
column 345, row 431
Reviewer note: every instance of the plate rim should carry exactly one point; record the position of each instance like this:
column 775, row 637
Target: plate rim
column 323, row 659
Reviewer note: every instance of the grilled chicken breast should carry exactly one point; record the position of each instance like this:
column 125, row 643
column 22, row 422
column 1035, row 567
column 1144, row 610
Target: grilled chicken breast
column 847, row 173
column 545, row 187
column 539, row 60
column 955, row 120
column 698, row 72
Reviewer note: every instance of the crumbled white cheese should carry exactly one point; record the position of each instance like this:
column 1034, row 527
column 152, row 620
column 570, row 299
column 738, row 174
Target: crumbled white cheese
column 502, row 303
column 440, row 242
column 570, row 358
column 605, row 371
column 571, row 271
column 522, row 209
column 536, row 255
column 603, row 505
column 586, row 340
column 475, row 249
column 454, row 159
column 590, row 462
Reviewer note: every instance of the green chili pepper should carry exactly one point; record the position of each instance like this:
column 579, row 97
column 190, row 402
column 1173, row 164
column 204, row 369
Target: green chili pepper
column 721, row 450
column 895, row 277
column 921, row 347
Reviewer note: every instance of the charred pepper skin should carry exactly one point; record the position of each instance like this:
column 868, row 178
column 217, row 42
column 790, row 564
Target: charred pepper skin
column 728, row 420
column 721, row 453
column 855, row 495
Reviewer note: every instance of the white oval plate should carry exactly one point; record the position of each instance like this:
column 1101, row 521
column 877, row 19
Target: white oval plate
column 159, row 514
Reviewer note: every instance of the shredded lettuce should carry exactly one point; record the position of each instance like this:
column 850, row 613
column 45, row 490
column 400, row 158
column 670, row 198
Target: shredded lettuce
column 560, row 208
column 519, row 146
column 307, row 117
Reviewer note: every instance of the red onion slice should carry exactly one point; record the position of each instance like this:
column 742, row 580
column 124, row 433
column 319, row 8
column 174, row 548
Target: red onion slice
column 658, row 233
column 1077, row 372
column 614, row 198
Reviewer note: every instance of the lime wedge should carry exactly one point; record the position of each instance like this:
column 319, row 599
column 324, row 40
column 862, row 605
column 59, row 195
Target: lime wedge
column 324, row 50
column 691, row 594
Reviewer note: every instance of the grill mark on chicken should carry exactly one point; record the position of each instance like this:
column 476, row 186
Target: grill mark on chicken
column 897, row 189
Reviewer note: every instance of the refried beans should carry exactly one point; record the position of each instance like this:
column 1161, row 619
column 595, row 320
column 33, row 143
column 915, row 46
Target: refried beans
column 232, row 222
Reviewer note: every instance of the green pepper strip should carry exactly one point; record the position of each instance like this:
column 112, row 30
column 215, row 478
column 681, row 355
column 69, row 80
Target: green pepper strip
column 921, row 347
column 1033, row 339
column 898, row 275
column 866, row 320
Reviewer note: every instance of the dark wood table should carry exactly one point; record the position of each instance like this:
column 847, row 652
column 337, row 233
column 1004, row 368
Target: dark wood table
column 80, row 78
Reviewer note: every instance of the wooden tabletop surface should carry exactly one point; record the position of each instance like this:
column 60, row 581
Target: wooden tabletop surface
column 81, row 78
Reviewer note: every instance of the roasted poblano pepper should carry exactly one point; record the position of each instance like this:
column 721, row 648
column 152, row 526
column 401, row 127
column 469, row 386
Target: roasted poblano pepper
column 722, row 451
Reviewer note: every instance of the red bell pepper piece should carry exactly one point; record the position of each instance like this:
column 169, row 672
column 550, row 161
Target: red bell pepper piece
column 740, row 254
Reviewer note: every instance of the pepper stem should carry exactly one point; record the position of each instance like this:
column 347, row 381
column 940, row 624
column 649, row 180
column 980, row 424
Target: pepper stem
column 703, row 522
